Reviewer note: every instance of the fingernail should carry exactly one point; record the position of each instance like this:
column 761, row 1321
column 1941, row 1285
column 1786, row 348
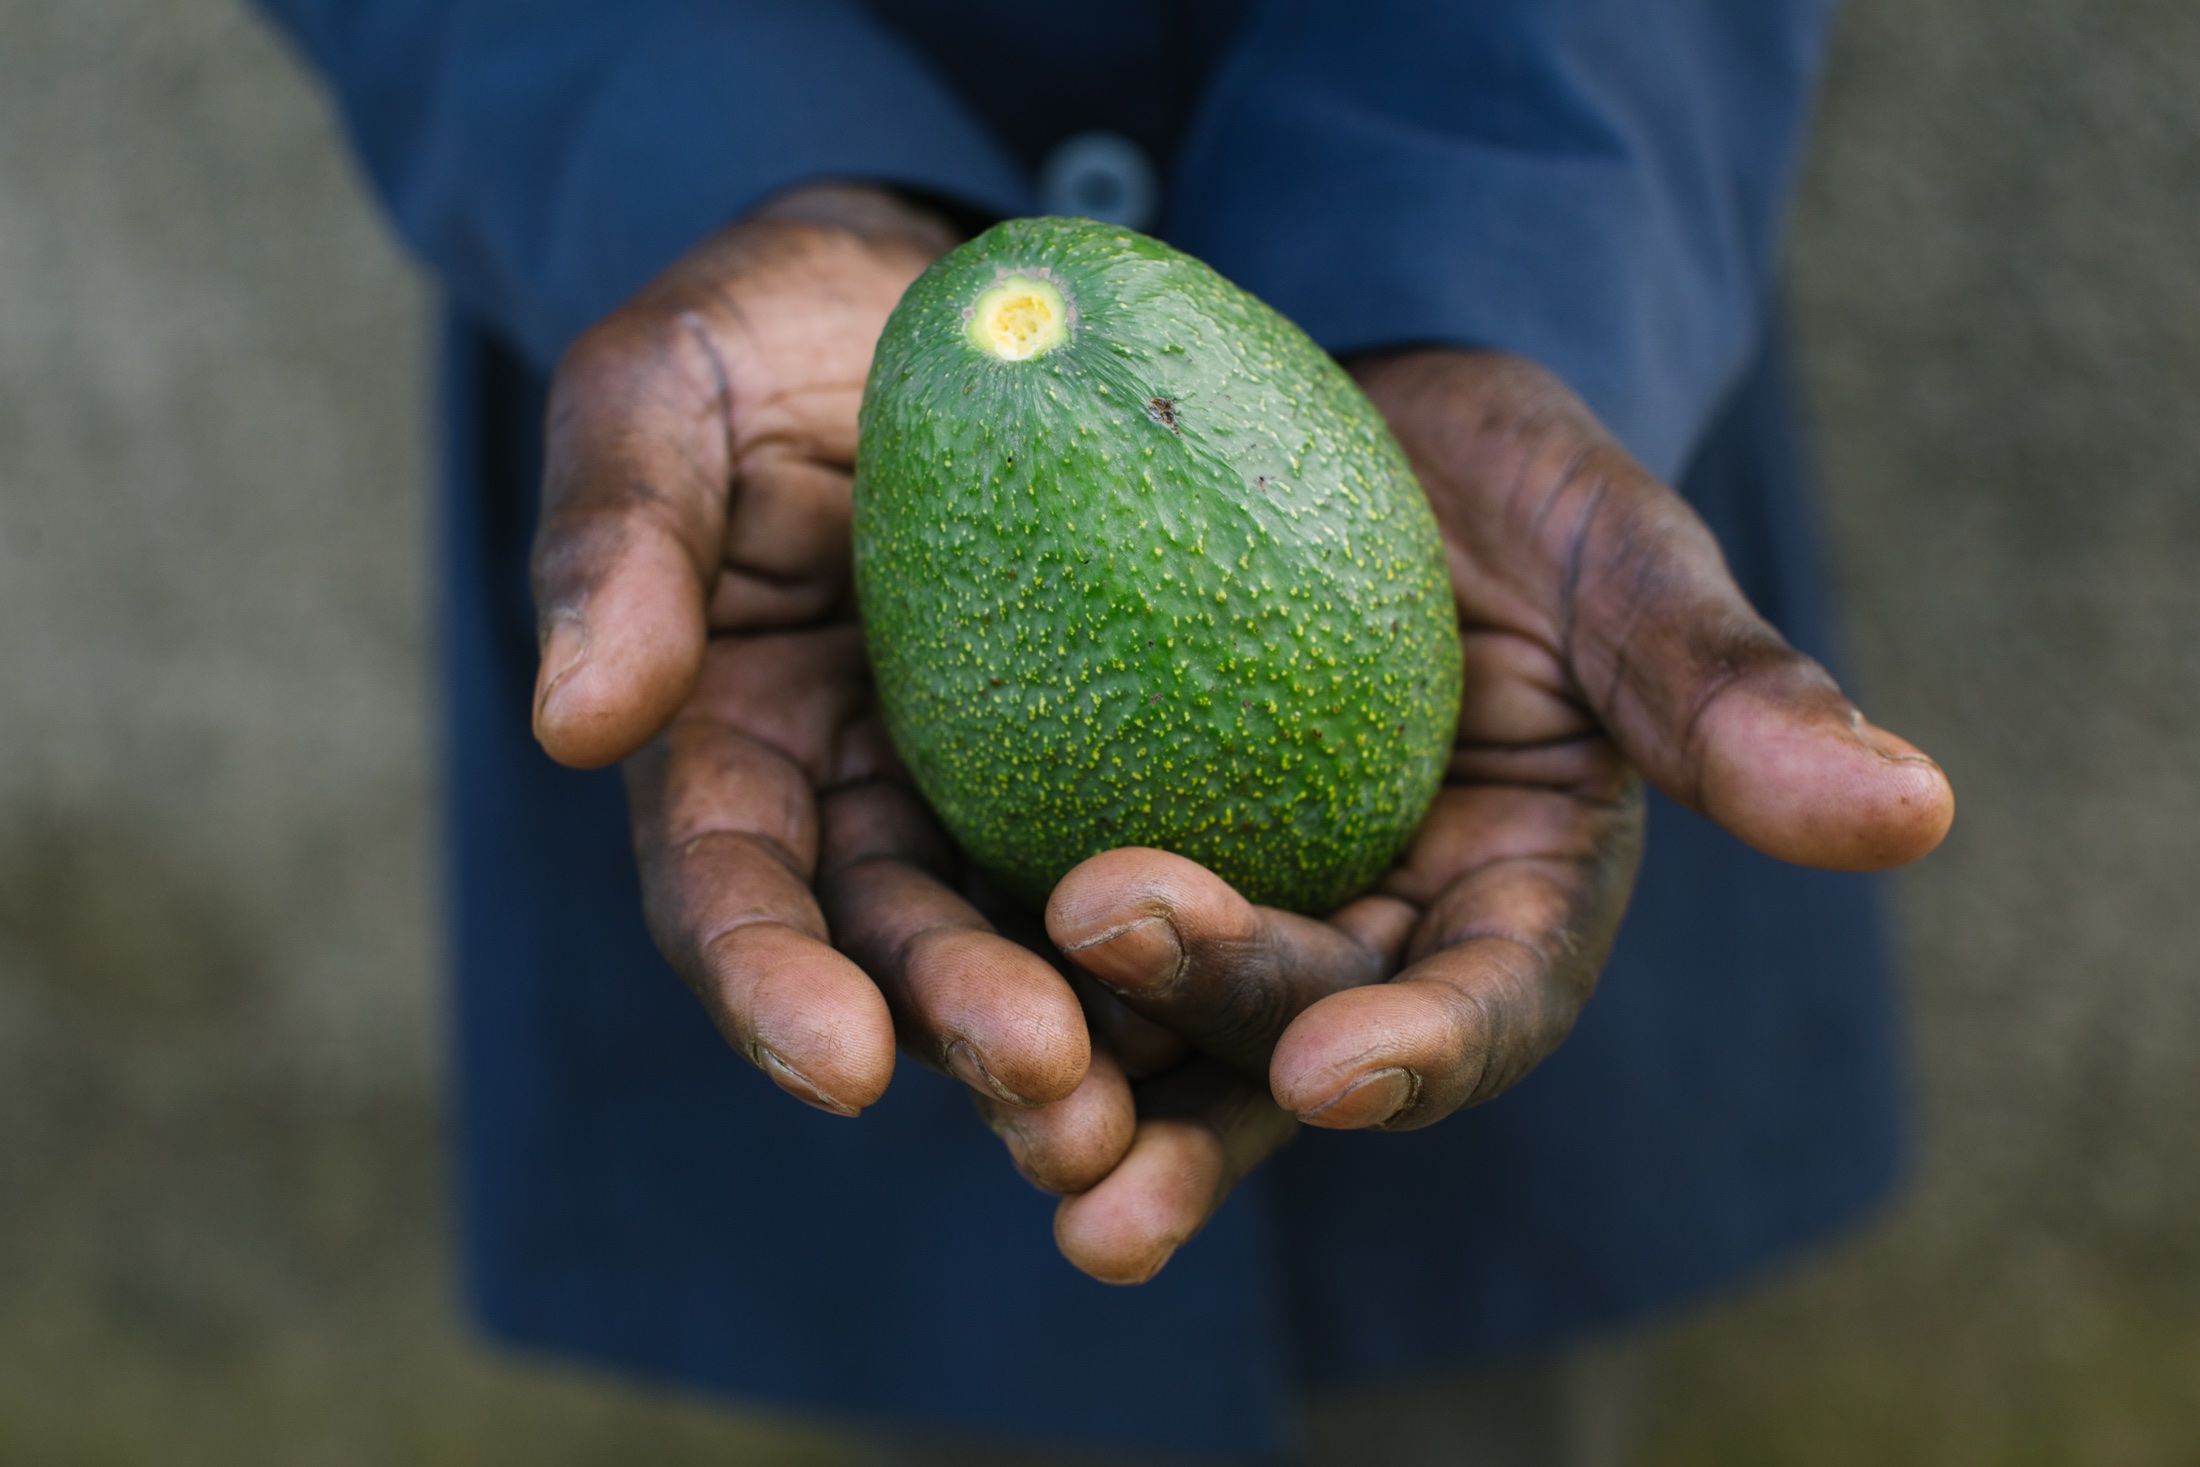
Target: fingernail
column 799, row 1085
column 1890, row 747
column 563, row 651
column 963, row 1063
column 1144, row 956
column 1372, row 1100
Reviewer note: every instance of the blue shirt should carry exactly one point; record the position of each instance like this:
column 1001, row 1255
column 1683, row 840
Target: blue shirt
column 1597, row 184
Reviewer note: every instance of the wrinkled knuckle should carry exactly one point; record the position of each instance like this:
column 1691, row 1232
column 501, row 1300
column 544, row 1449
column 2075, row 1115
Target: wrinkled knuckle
column 1473, row 1031
column 1062, row 1165
column 639, row 353
column 1254, row 1011
column 1732, row 653
column 922, row 954
column 1534, row 402
column 725, row 955
column 604, row 355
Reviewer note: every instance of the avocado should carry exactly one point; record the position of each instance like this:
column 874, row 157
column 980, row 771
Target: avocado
column 1139, row 564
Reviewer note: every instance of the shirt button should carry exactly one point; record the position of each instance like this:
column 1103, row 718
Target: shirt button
column 1103, row 176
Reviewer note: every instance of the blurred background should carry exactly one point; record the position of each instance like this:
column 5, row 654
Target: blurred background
column 221, row 1189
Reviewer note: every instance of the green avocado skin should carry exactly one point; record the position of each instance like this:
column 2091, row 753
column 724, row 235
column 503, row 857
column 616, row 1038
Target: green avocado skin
column 1171, row 583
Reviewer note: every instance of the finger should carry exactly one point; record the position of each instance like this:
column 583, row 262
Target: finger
column 725, row 835
column 1068, row 1146
column 1138, row 1044
column 1504, row 958
column 786, row 558
column 1201, row 1129
column 989, row 1011
column 1553, row 529
column 633, row 519
column 1708, row 700
column 1181, row 947
column 1726, row 718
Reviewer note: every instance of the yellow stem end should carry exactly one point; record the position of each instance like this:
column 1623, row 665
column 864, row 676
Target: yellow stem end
column 1018, row 318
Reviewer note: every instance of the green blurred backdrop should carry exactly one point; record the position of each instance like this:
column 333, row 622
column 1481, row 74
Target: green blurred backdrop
column 221, row 1203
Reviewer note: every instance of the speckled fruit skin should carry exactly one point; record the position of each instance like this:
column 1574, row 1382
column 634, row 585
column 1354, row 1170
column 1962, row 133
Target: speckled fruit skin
column 1171, row 583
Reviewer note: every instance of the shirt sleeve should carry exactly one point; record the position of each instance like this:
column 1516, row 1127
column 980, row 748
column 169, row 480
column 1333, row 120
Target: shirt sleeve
column 1596, row 184
column 547, row 157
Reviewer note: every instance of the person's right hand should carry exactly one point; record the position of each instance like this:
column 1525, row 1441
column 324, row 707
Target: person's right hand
column 692, row 583
column 1605, row 643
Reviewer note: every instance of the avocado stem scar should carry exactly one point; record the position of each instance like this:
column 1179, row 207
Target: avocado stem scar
column 1019, row 317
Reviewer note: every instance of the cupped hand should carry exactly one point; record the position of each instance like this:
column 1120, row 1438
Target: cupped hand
column 692, row 582
column 1604, row 643
column 692, row 579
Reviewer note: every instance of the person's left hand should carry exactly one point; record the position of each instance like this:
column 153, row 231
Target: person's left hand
column 1604, row 641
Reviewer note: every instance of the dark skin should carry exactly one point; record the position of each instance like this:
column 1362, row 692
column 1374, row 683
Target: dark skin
column 1151, row 1037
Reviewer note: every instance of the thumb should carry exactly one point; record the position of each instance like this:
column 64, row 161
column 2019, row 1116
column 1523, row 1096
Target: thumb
column 1712, row 704
column 634, row 521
